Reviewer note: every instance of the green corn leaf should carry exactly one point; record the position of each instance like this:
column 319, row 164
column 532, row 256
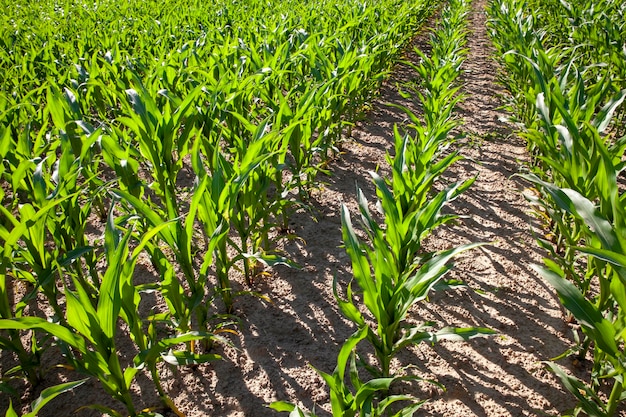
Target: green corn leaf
column 406, row 411
column 604, row 116
column 342, row 401
column 178, row 358
column 167, row 344
column 129, row 374
column 576, row 204
column 587, row 398
column 294, row 410
column 370, row 224
column 82, row 317
column 20, row 173
column 39, row 184
column 10, row 411
column 354, row 372
column 360, row 265
column 282, row 406
column 50, row 393
column 19, row 230
column 544, row 111
column 152, row 216
column 137, row 104
column 116, row 380
column 585, row 209
column 135, row 125
column 595, row 325
column 422, row 280
column 56, row 107
column 56, row 330
column 109, row 300
column 270, row 259
column 370, row 388
column 184, row 107
column 298, row 412
column 347, row 307
column 421, row 333
column 566, row 137
column 70, row 99
column 71, row 256
column 346, row 350
column 617, row 259
column 146, row 239
column 196, row 200
column 393, row 216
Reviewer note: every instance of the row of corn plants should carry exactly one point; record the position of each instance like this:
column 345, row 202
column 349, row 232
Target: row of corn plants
column 391, row 268
column 182, row 140
column 564, row 69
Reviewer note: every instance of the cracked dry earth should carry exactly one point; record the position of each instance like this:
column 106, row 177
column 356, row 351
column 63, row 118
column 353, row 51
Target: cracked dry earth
column 280, row 341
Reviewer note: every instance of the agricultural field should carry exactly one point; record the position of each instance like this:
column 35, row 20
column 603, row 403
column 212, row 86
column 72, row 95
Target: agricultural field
column 347, row 208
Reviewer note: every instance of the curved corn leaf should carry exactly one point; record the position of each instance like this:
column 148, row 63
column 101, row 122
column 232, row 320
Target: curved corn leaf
column 593, row 323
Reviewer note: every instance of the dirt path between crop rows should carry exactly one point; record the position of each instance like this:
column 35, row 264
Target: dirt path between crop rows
column 497, row 376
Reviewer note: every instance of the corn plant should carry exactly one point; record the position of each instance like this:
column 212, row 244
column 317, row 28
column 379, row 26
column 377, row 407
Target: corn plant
column 45, row 217
column 27, row 262
column 226, row 200
column 391, row 283
column 571, row 148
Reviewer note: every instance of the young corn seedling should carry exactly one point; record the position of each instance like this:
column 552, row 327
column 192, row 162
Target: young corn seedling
column 253, row 214
column 298, row 120
column 218, row 206
column 357, row 398
column 90, row 327
column 393, row 280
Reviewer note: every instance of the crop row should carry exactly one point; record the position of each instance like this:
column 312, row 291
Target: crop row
column 564, row 69
column 392, row 270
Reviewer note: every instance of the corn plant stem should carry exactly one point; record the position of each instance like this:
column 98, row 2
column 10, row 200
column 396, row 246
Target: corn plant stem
column 385, row 364
column 615, row 397
column 167, row 401
column 244, row 249
column 26, row 358
column 126, row 399
column 222, row 267
column 584, row 348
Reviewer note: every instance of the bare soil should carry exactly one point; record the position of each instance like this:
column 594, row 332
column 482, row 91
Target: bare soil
column 281, row 341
